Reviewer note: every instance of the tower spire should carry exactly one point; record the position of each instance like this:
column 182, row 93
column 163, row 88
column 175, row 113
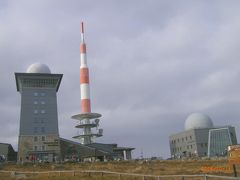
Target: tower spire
column 87, row 119
column 82, row 32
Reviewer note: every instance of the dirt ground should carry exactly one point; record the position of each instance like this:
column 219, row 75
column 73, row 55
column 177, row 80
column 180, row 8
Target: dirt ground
column 165, row 167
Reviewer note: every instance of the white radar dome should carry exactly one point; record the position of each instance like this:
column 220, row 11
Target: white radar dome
column 198, row 121
column 38, row 68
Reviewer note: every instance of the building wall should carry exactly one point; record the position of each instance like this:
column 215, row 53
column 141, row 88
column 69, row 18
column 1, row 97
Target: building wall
column 189, row 143
column 220, row 139
column 8, row 152
column 195, row 142
column 202, row 141
column 38, row 134
column 38, row 111
column 37, row 145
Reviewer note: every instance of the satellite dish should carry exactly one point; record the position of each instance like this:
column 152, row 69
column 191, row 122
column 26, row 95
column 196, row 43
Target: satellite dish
column 100, row 131
column 97, row 122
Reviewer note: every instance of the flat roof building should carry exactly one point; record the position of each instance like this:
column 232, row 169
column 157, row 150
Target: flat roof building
column 201, row 138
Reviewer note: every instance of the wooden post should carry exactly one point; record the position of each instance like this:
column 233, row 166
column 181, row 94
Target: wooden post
column 234, row 170
column 183, row 178
column 144, row 178
column 119, row 177
column 206, row 177
column 89, row 175
column 73, row 173
column 101, row 175
column 158, row 177
column 59, row 173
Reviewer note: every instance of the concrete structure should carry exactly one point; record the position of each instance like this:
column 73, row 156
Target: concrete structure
column 39, row 137
column 7, row 152
column 38, row 134
column 199, row 138
column 87, row 119
column 219, row 139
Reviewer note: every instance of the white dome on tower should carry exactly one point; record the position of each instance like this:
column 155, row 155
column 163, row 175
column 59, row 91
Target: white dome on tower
column 198, row 121
column 38, row 68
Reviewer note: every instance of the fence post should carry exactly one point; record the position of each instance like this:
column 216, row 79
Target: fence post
column 183, row 178
column 59, row 173
column 73, row 173
column 144, row 178
column 101, row 175
column 206, row 177
column 89, row 175
column 119, row 177
column 158, row 177
column 234, row 170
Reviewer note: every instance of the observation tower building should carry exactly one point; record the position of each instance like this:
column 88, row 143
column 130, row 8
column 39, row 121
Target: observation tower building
column 38, row 134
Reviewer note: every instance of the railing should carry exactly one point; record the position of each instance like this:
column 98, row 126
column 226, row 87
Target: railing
column 102, row 174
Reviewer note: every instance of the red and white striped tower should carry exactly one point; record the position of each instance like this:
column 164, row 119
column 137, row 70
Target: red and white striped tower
column 87, row 119
column 84, row 76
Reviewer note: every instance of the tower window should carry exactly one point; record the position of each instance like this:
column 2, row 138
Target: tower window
column 35, row 130
column 43, row 102
column 42, row 120
column 35, row 102
column 43, row 138
column 35, row 94
column 35, row 111
column 35, row 120
column 43, row 111
column 35, row 138
column 43, row 94
column 42, row 129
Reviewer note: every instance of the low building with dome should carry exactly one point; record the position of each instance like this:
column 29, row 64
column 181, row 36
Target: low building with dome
column 201, row 138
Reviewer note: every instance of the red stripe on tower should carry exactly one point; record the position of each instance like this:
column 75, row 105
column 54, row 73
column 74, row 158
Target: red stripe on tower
column 84, row 76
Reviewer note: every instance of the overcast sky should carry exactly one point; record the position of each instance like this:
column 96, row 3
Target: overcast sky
column 152, row 63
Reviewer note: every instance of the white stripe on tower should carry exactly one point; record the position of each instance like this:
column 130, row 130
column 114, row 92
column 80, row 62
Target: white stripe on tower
column 84, row 76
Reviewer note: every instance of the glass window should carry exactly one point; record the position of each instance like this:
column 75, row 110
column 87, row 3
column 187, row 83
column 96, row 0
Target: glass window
column 35, row 111
column 35, row 102
column 42, row 129
column 43, row 148
column 43, row 111
column 35, row 120
column 42, row 120
column 35, row 138
column 43, row 138
column 35, row 148
column 43, row 94
column 35, row 130
column 35, row 94
column 43, row 102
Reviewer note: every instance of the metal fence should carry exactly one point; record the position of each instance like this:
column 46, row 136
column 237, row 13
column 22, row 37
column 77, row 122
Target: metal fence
column 105, row 175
